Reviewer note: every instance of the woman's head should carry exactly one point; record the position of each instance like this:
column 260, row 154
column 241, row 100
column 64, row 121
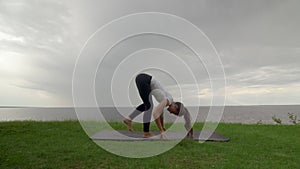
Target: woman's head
column 175, row 107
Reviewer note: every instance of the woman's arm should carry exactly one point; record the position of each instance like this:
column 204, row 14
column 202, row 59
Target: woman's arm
column 157, row 113
column 161, row 117
column 188, row 125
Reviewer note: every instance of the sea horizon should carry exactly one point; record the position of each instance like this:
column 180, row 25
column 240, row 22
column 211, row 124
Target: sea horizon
column 246, row 114
column 129, row 106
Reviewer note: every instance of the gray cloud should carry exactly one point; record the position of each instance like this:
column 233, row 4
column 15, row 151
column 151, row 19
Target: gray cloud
column 254, row 56
column 267, row 76
column 258, row 41
column 46, row 44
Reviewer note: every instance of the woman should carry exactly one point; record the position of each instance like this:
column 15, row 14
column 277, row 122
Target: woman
column 148, row 86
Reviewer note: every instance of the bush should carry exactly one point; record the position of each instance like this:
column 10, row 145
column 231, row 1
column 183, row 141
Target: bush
column 277, row 120
column 293, row 118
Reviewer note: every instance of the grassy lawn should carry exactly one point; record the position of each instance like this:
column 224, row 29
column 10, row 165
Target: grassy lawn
column 65, row 145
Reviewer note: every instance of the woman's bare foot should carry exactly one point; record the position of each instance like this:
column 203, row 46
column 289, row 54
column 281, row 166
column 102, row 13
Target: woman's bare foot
column 128, row 123
column 147, row 135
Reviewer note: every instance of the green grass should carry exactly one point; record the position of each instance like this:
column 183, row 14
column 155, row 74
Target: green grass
column 65, row 145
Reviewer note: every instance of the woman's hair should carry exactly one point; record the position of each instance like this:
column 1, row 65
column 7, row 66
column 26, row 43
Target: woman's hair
column 180, row 108
column 182, row 111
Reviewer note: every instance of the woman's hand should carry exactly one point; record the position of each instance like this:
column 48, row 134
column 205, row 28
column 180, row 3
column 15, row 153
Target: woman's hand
column 190, row 134
column 158, row 117
column 163, row 135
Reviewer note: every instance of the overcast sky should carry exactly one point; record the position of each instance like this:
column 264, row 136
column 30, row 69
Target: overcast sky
column 258, row 42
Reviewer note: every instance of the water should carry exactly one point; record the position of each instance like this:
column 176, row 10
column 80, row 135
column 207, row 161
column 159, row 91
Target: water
column 232, row 114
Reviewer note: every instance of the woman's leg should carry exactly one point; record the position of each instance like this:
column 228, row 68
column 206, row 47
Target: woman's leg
column 143, row 84
column 137, row 111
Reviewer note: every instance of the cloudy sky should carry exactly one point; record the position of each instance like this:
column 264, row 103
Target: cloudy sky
column 258, row 43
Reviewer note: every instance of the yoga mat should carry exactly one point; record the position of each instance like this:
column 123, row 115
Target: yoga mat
column 123, row 135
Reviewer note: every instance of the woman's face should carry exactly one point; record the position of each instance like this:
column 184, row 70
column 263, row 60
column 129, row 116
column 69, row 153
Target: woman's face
column 173, row 109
